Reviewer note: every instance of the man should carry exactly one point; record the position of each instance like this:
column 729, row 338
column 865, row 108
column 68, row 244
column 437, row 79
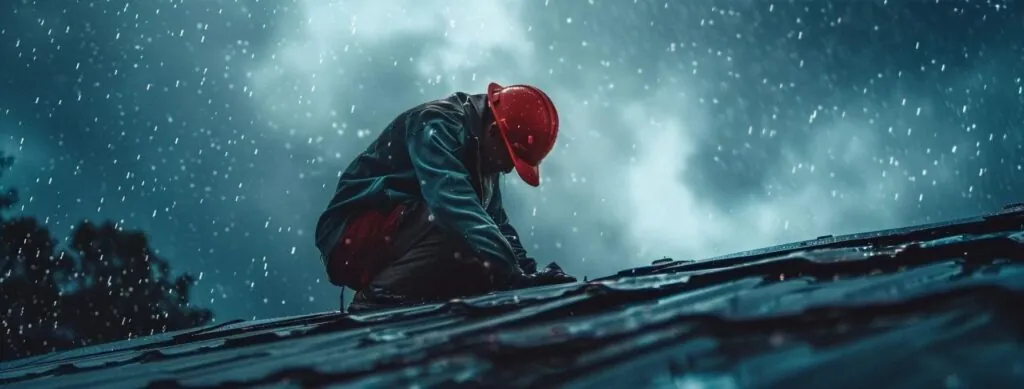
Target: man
column 418, row 216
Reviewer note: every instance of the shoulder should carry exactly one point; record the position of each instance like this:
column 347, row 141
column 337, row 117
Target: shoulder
column 446, row 114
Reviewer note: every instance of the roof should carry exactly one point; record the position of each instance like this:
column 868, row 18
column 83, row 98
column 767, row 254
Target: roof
column 926, row 306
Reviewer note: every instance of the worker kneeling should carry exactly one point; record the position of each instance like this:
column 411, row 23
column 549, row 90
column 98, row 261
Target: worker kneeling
column 418, row 216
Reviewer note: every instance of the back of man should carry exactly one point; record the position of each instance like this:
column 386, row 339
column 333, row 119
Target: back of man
column 418, row 216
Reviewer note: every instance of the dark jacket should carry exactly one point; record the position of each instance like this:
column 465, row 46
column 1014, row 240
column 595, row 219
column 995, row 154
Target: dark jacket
column 430, row 153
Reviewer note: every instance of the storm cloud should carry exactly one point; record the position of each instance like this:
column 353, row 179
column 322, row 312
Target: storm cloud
column 687, row 131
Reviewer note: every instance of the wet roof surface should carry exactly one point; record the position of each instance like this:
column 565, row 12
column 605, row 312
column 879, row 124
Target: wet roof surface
column 929, row 306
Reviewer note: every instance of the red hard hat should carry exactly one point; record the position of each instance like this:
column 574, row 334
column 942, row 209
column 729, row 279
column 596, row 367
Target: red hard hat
column 528, row 123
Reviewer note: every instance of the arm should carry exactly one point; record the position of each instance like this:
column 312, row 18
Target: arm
column 510, row 233
column 497, row 211
column 527, row 264
column 445, row 185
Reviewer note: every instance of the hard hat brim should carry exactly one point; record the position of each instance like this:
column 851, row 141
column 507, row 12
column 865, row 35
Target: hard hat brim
column 529, row 173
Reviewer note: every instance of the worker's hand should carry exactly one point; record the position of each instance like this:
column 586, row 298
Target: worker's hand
column 528, row 265
column 550, row 275
column 553, row 274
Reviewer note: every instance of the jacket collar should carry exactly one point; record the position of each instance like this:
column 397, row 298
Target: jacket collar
column 474, row 106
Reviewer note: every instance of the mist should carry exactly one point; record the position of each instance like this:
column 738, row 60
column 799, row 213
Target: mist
column 687, row 131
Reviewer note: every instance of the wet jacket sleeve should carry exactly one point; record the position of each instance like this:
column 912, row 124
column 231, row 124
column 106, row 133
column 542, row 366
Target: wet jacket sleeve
column 497, row 211
column 435, row 142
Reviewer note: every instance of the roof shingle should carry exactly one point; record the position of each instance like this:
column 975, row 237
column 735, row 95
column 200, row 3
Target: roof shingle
column 926, row 306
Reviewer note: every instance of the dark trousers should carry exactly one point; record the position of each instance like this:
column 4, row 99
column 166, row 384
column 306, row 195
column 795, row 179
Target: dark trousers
column 430, row 265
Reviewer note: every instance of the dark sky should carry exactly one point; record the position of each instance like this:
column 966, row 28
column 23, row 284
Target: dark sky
column 687, row 131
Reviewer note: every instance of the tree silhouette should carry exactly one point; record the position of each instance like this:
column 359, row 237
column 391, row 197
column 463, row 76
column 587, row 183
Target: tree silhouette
column 106, row 285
